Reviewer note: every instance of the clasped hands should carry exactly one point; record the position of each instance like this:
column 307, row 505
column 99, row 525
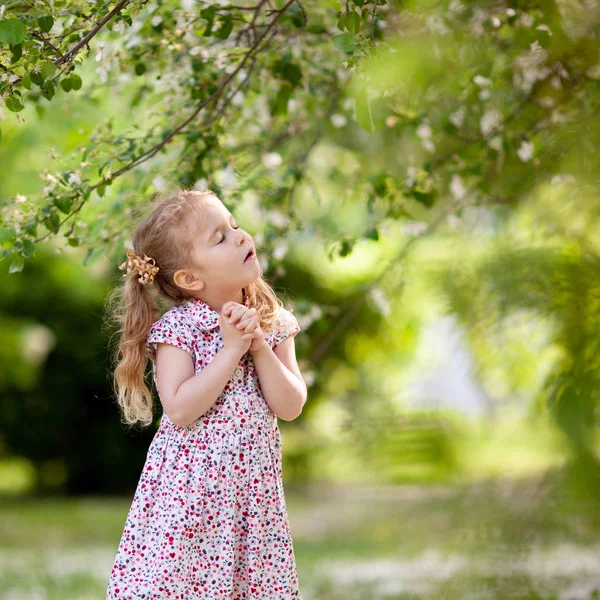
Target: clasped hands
column 240, row 328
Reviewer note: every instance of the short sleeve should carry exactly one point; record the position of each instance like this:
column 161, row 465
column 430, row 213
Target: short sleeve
column 286, row 326
column 169, row 332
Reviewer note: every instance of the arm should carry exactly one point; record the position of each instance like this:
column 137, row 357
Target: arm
column 185, row 396
column 280, row 378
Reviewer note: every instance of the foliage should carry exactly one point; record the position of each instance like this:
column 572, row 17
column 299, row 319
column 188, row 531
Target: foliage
column 215, row 85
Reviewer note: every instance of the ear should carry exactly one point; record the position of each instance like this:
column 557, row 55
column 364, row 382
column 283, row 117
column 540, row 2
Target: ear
column 187, row 280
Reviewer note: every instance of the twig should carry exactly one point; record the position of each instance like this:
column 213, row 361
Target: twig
column 150, row 153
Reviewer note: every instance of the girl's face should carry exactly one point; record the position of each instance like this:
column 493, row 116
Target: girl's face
column 220, row 249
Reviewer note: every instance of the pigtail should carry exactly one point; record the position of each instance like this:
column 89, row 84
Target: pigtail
column 133, row 310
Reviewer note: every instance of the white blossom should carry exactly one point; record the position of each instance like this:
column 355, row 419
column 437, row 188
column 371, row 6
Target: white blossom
column 477, row 20
column 458, row 116
column 277, row 218
column 428, row 145
column 74, row 177
column 102, row 74
column 559, row 178
column 272, row 159
column 457, row 187
column 226, row 177
column 495, row 143
column 280, row 249
column 526, row 20
column 380, row 301
column 529, row 68
column 160, row 183
column 414, row 227
column 482, row 81
column 544, row 28
column 525, row 151
column 201, row 184
column 456, row 7
column 156, row 20
column 491, row 120
column 338, row 120
column 424, row 130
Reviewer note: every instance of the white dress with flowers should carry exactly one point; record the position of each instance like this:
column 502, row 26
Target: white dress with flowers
column 208, row 519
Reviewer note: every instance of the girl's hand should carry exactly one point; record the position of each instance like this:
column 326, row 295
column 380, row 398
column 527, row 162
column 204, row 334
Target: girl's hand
column 231, row 335
column 246, row 321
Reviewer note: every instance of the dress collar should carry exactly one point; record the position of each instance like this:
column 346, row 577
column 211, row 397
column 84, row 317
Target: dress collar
column 204, row 316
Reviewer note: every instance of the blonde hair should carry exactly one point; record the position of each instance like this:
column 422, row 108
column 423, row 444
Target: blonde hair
column 133, row 307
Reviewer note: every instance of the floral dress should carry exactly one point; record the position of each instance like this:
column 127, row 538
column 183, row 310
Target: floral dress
column 208, row 519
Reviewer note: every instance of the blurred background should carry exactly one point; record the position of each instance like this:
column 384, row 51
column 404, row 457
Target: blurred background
column 421, row 181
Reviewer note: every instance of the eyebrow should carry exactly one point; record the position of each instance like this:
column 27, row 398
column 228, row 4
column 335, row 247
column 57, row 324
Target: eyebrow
column 217, row 229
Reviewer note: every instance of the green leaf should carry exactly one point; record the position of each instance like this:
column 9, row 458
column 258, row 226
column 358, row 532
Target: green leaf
column 372, row 234
column 341, row 24
column 363, row 111
column 49, row 89
column 344, row 42
column 52, row 222
column 17, row 265
column 13, row 104
column 140, row 68
column 280, row 105
column 17, row 52
column 36, row 78
column 63, row 204
column 8, row 237
column 65, row 84
column 31, row 227
column 353, row 22
column 46, row 22
column 73, row 241
column 226, row 27
column 346, row 248
column 48, row 69
column 209, row 15
column 75, row 81
column 100, row 190
column 12, row 31
column 28, row 248
column 26, row 81
column 289, row 71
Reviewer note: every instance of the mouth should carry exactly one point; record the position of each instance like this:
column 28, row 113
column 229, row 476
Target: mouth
column 249, row 256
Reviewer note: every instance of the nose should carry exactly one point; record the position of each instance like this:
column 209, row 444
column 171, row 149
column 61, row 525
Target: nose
column 243, row 237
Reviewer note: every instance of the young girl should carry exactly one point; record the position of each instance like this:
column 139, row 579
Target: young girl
column 208, row 518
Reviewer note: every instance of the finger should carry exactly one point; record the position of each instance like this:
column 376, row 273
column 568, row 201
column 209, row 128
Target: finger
column 242, row 312
column 227, row 309
column 245, row 320
column 247, row 325
column 236, row 313
column 253, row 325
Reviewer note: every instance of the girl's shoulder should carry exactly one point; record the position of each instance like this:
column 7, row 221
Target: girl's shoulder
column 176, row 316
column 173, row 327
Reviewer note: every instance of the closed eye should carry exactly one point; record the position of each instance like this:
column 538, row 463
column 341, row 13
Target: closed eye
column 224, row 237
